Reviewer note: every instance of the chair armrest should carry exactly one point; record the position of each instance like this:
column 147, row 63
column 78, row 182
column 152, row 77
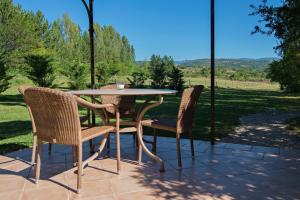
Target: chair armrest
column 83, row 103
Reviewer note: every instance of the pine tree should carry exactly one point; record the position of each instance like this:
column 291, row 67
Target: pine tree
column 40, row 69
column 176, row 81
column 158, row 72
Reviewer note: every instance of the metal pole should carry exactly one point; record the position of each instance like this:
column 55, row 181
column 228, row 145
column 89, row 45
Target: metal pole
column 92, row 57
column 212, row 70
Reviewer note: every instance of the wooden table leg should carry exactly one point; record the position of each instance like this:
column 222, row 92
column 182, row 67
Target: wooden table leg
column 140, row 134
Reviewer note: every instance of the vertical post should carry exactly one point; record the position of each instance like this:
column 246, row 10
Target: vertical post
column 212, row 70
column 90, row 11
column 91, row 31
column 92, row 57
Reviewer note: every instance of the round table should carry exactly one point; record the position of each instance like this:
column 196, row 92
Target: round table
column 134, row 92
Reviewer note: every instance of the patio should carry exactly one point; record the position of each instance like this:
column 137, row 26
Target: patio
column 223, row 171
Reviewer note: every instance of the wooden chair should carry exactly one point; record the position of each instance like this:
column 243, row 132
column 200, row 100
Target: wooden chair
column 83, row 119
column 56, row 120
column 183, row 123
column 127, row 109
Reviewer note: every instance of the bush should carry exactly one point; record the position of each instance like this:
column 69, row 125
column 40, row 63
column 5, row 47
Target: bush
column 287, row 73
column 159, row 68
column 104, row 72
column 77, row 75
column 176, row 81
column 4, row 77
column 138, row 79
column 40, row 69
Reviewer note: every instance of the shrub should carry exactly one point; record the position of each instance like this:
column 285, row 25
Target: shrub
column 40, row 69
column 104, row 72
column 138, row 79
column 158, row 72
column 77, row 75
column 176, row 81
column 4, row 77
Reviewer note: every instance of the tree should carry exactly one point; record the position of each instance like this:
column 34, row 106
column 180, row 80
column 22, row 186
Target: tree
column 77, row 75
column 176, row 79
column 284, row 23
column 104, row 72
column 4, row 77
column 287, row 73
column 138, row 79
column 40, row 69
column 158, row 72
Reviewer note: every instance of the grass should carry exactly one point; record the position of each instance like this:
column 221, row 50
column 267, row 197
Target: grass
column 231, row 103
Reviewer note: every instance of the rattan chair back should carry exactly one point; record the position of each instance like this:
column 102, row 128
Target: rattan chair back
column 126, row 104
column 22, row 92
column 56, row 115
column 187, row 108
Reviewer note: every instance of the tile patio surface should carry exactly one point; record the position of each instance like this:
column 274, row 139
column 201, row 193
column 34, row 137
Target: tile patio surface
column 225, row 171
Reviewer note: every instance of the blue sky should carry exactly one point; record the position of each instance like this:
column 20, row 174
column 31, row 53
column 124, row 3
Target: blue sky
column 179, row 28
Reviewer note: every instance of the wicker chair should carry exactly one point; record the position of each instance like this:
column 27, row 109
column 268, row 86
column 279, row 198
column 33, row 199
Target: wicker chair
column 83, row 119
column 127, row 110
column 56, row 120
column 183, row 123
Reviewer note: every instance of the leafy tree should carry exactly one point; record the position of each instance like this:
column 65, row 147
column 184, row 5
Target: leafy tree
column 77, row 75
column 138, row 79
column 104, row 72
column 4, row 77
column 283, row 22
column 287, row 73
column 40, row 69
column 176, row 79
column 24, row 31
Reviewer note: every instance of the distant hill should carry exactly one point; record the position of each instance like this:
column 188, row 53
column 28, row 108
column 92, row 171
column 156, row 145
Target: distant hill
column 260, row 63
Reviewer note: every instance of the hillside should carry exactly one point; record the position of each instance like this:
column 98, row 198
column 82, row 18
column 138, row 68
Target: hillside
column 260, row 63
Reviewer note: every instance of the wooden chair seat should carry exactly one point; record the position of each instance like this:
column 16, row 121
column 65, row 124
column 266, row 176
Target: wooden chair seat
column 92, row 132
column 164, row 124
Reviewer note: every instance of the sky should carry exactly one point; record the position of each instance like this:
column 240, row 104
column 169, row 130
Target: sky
column 177, row 28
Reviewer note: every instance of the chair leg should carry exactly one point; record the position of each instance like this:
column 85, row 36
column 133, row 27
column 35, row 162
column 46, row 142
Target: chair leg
column 74, row 152
column 118, row 142
column 49, row 148
column 92, row 150
column 154, row 141
column 178, row 151
column 33, row 149
column 38, row 162
column 108, row 138
column 134, row 138
column 140, row 150
column 108, row 142
column 192, row 144
column 80, row 167
column 136, row 141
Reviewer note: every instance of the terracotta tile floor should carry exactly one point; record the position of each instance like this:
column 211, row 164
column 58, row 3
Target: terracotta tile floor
column 223, row 171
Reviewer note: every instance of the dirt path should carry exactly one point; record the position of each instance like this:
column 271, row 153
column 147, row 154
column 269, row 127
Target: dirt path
column 265, row 129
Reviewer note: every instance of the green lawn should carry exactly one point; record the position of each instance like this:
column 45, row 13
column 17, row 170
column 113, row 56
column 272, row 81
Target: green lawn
column 231, row 103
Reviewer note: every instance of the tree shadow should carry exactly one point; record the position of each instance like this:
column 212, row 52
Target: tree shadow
column 4, row 148
column 10, row 129
column 12, row 100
